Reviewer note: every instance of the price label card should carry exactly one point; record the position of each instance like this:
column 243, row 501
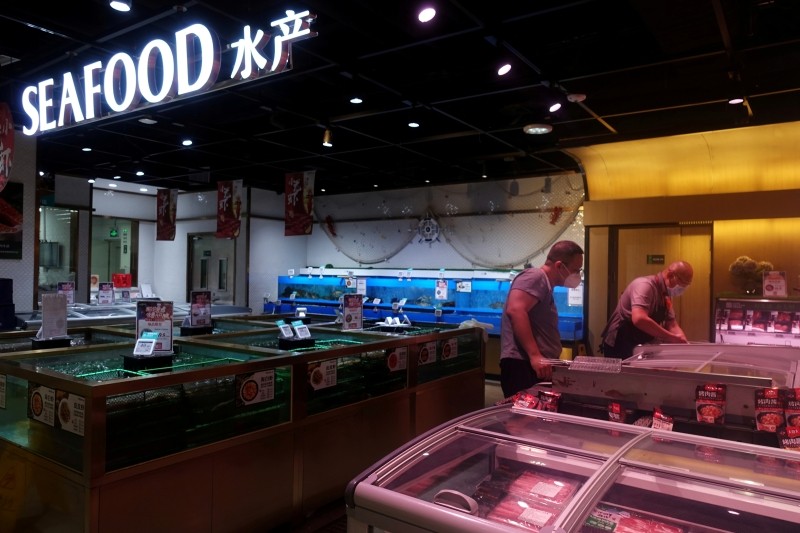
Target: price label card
column 301, row 330
column 41, row 403
column 70, row 412
column 256, row 387
column 144, row 347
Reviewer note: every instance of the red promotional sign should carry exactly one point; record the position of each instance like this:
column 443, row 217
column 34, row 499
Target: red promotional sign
column 6, row 143
column 229, row 209
column 166, row 207
column 299, row 203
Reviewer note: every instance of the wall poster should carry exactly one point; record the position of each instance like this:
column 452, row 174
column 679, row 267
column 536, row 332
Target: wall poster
column 11, row 221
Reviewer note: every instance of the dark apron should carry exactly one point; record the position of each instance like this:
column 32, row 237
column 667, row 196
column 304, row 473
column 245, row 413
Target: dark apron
column 629, row 336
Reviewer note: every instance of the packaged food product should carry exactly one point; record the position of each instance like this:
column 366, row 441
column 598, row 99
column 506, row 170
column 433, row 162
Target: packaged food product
column 769, row 408
column 661, row 420
column 616, row 412
column 549, row 400
column 530, row 515
column 791, row 409
column 525, row 399
column 605, row 518
column 789, row 438
column 710, row 403
column 555, row 489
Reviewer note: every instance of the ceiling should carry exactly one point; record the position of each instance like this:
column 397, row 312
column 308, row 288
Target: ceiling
column 648, row 68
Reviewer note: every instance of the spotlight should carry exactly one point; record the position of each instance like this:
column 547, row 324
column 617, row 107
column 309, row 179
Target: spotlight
column 326, row 139
column 537, row 129
column 504, row 69
column 427, row 14
column 735, row 100
column 120, row 5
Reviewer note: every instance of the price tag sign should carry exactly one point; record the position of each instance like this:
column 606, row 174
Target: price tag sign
column 301, row 330
column 144, row 347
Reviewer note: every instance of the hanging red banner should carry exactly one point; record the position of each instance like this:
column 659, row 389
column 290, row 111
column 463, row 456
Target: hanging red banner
column 6, row 143
column 229, row 209
column 166, row 207
column 299, row 203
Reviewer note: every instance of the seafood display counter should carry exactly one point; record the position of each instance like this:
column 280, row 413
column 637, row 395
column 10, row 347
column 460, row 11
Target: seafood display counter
column 231, row 434
column 507, row 468
column 25, row 340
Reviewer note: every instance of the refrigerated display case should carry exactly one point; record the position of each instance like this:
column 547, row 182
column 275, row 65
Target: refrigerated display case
column 508, row 469
column 757, row 321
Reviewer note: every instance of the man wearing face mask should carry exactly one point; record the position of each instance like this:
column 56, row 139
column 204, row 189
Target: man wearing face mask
column 644, row 313
column 529, row 338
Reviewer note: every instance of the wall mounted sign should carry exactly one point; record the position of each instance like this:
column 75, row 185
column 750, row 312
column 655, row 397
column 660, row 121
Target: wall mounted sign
column 189, row 65
column 655, row 259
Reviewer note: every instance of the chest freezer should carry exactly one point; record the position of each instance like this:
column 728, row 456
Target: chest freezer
column 510, row 469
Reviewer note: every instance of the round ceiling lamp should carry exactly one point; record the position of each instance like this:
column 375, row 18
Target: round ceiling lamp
column 537, row 129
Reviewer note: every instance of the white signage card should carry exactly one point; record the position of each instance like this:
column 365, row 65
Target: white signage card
column 200, row 308
column 256, row 387
column 155, row 317
column 322, row 374
column 464, row 286
column 353, row 312
column 361, row 286
column 67, row 288
column 575, row 296
column 54, row 316
column 301, row 330
column 105, row 293
column 774, row 284
column 41, row 403
column 286, row 329
column 427, row 353
column 144, row 347
column 71, row 412
column 397, row 358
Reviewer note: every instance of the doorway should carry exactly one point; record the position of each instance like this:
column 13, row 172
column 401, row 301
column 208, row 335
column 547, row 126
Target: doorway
column 212, row 263
column 648, row 250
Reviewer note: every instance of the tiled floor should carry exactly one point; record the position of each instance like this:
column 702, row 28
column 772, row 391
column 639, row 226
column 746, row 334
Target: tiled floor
column 332, row 519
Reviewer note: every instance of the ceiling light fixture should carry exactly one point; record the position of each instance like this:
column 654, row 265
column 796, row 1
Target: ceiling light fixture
column 117, row 177
column 537, row 129
column 147, row 120
column 413, row 124
column 86, row 149
column 356, row 100
column 120, row 5
column 186, row 142
column 90, row 180
column 504, row 69
column 139, row 173
column 142, row 189
column 427, row 14
column 326, row 138
column 735, row 100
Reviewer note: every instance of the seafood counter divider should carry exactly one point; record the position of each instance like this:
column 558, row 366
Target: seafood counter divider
column 234, row 435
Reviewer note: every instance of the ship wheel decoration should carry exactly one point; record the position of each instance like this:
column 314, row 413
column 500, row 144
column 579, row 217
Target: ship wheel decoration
column 428, row 230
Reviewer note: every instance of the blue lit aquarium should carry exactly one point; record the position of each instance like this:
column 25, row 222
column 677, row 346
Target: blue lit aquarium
column 429, row 300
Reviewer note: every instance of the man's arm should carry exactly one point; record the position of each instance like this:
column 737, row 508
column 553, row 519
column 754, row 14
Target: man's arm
column 640, row 319
column 518, row 306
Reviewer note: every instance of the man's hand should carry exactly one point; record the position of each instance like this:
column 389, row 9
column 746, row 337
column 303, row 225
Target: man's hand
column 541, row 365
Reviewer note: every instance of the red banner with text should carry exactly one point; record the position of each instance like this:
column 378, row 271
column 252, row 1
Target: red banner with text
column 166, row 207
column 299, row 203
column 229, row 209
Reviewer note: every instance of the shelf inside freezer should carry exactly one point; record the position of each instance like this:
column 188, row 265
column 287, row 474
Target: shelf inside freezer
column 639, row 500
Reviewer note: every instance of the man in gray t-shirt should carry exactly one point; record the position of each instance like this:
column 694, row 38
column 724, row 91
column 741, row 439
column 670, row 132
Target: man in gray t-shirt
column 529, row 337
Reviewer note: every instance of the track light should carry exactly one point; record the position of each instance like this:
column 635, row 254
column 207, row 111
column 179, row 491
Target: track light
column 326, row 138
column 504, row 68
column 120, row 5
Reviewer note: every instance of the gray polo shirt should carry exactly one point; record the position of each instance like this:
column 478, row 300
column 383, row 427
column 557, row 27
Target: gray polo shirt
column 543, row 317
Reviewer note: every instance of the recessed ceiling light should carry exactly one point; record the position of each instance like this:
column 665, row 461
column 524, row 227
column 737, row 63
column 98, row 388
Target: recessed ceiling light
column 322, row 190
column 186, row 142
column 427, row 181
column 41, row 172
column 86, row 149
column 356, row 100
column 117, row 177
column 139, row 173
column 504, row 69
column 736, row 100
column 427, row 14
column 537, row 129
column 143, row 189
column 376, row 185
column 413, row 124
column 120, row 5
column 91, row 180
column 147, row 120
column 112, row 185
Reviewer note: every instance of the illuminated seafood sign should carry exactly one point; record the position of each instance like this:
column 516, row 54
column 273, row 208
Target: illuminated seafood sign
column 163, row 72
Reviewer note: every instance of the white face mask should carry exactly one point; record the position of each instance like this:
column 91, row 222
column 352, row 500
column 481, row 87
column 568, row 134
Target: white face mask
column 676, row 291
column 572, row 280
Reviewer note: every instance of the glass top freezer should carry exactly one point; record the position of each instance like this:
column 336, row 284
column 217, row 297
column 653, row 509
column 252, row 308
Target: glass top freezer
column 510, row 469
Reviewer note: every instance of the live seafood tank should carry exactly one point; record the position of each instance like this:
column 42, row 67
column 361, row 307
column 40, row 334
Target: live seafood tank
column 21, row 341
column 275, row 433
column 426, row 300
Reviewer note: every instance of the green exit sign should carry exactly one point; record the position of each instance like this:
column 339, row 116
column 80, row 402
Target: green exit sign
column 113, row 232
column 655, row 259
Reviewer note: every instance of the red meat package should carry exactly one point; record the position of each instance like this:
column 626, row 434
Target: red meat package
column 607, row 518
column 769, row 406
column 616, row 412
column 662, row 421
column 554, row 489
column 710, row 402
column 527, row 514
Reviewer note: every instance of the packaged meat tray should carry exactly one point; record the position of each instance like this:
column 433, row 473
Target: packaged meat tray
column 527, row 514
column 556, row 488
column 606, row 518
